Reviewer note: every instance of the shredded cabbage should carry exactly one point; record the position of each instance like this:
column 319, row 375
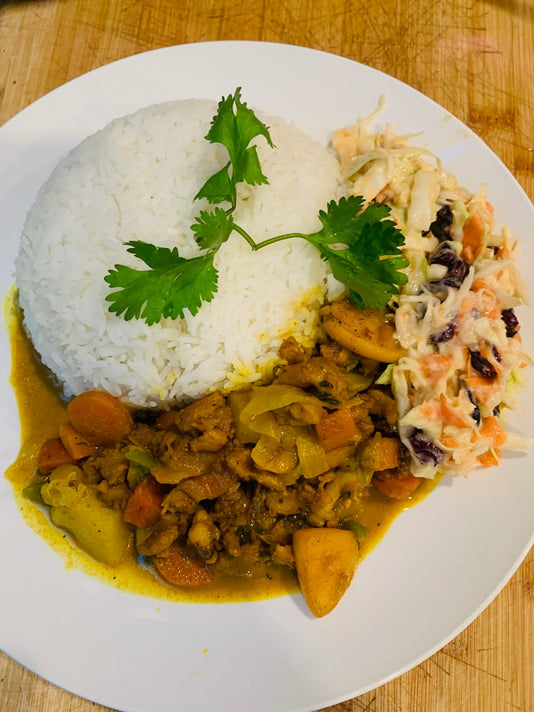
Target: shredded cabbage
column 463, row 362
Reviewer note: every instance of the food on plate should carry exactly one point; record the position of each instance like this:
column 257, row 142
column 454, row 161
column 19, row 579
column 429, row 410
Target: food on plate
column 265, row 349
column 455, row 318
column 136, row 180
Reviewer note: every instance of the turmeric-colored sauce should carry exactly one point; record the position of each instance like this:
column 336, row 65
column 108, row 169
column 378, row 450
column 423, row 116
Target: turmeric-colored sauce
column 42, row 410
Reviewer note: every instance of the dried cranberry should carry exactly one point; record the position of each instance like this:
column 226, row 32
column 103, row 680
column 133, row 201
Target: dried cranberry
column 424, row 449
column 482, row 365
column 441, row 227
column 445, row 334
column 457, row 269
column 511, row 322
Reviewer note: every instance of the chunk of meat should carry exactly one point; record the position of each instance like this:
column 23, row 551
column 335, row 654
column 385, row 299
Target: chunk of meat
column 166, row 530
column 178, row 501
column 318, row 372
column 364, row 331
column 209, row 420
column 203, row 535
column 291, row 351
column 337, row 353
column 180, row 462
column 240, row 461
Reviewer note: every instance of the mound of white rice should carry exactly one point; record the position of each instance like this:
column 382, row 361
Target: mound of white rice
column 136, row 180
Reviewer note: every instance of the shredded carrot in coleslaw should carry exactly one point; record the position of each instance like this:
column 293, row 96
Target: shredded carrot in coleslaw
column 455, row 317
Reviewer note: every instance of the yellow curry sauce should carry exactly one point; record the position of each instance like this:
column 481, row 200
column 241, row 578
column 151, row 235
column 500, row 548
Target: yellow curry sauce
column 42, row 411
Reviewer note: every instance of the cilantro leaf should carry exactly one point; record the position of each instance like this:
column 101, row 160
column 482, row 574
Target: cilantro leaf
column 171, row 285
column 212, row 229
column 363, row 250
column 361, row 244
column 219, row 187
column 234, row 126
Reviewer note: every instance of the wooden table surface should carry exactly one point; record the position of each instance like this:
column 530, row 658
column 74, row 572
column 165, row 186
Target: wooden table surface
column 476, row 58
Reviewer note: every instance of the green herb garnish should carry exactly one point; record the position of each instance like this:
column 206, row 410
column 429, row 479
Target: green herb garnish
column 361, row 245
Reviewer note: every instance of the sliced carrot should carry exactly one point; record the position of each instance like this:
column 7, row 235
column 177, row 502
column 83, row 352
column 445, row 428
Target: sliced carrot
column 181, row 569
column 396, row 487
column 434, row 366
column 448, row 441
column 473, row 236
column 102, row 418
column 337, row 429
column 53, row 454
column 491, row 427
column 75, row 443
column 208, row 486
column 143, row 508
column 482, row 389
column 490, row 458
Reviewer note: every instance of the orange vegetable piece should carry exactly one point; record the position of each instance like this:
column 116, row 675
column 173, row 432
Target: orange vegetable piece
column 490, row 458
column 100, row 417
column 75, row 443
column 337, row 429
column 491, row 427
column 396, row 487
column 208, row 486
column 435, row 366
column 181, row 569
column 53, row 454
column 326, row 560
column 473, row 234
column 379, row 453
column 143, row 508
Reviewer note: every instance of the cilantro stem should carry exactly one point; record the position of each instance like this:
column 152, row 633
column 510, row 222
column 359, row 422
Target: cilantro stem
column 269, row 241
column 278, row 238
column 362, row 247
column 245, row 234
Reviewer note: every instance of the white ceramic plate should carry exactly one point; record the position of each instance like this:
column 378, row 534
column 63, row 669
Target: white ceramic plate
column 441, row 562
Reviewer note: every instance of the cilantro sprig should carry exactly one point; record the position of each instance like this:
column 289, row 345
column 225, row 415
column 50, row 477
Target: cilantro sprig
column 361, row 245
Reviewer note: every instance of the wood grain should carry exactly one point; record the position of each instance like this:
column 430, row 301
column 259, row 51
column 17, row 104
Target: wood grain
column 474, row 57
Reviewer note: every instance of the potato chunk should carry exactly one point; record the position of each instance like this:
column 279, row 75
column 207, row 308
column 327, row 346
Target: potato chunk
column 326, row 560
column 97, row 529
column 363, row 331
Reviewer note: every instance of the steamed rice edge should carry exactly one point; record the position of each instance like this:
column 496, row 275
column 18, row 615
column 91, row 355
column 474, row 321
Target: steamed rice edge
column 136, row 179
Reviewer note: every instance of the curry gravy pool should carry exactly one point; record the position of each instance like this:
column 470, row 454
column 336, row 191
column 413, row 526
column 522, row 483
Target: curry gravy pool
column 41, row 411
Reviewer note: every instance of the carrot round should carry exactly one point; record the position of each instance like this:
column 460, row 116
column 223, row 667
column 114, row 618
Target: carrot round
column 75, row 443
column 180, row 569
column 100, row 417
column 53, row 454
column 396, row 487
column 143, row 508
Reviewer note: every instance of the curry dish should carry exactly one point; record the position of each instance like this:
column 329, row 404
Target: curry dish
column 241, row 495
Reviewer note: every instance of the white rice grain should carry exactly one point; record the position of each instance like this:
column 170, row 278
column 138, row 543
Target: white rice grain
column 136, row 180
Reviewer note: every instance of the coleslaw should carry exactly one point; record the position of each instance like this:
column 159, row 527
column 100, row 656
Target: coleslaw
column 455, row 318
